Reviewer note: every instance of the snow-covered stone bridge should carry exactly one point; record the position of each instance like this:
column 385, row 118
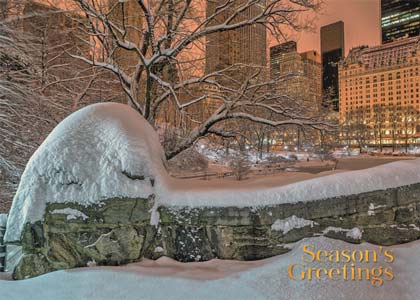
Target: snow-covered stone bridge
column 97, row 191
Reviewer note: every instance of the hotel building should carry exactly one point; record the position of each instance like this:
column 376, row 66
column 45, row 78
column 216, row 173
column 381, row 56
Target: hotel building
column 380, row 95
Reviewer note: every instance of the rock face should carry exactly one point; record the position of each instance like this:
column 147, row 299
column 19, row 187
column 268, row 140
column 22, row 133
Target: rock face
column 118, row 231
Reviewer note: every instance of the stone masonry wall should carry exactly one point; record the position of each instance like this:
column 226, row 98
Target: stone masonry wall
column 119, row 230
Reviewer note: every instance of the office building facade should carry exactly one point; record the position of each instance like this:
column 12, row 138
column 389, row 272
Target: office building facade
column 399, row 18
column 297, row 75
column 245, row 46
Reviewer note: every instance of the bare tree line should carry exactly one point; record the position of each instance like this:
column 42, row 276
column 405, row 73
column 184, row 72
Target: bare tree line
column 40, row 84
column 372, row 127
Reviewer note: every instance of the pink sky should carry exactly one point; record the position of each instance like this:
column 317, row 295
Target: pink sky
column 361, row 23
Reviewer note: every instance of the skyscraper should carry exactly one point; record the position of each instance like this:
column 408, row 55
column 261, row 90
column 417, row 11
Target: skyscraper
column 246, row 45
column 277, row 55
column 332, row 51
column 399, row 18
column 297, row 75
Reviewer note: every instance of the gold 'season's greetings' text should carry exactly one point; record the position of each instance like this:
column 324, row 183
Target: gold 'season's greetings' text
column 347, row 265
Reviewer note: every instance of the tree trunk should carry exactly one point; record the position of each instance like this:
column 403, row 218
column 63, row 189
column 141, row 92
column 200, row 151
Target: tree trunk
column 227, row 144
column 380, row 141
column 243, row 142
column 298, row 139
column 260, row 148
column 393, row 141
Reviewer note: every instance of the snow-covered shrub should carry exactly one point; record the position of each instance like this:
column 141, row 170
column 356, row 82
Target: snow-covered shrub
column 240, row 166
column 189, row 160
column 292, row 156
column 330, row 157
column 277, row 159
column 280, row 161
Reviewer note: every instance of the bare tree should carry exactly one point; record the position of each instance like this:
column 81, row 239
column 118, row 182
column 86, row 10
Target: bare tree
column 240, row 166
column 379, row 124
column 161, row 41
column 355, row 129
column 40, row 84
column 20, row 108
column 409, row 122
column 394, row 121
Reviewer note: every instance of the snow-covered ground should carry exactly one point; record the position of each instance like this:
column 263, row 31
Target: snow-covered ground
column 182, row 193
column 218, row 154
column 218, row 279
column 271, row 177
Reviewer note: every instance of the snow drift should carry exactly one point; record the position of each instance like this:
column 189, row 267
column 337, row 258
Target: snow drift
column 204, row 280
column 108, row 151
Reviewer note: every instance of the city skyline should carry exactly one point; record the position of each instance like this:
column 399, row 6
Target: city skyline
column 368, row 17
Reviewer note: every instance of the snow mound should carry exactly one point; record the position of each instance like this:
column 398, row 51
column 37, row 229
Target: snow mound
column 101, row 151
column 262, row 280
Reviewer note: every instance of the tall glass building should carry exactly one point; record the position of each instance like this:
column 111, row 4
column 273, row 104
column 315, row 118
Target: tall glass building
column 332, row 51
column 399, row 18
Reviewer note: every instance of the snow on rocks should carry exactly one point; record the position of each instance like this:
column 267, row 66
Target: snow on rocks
column 3, row 220
column 291, row 223
column 158, row 249
column 372, row 208
column 405, row 227
column 414, row 227
column 71, row 213
column 354, row 233
column 91, row 264
column 101, row 151
column 154, row 215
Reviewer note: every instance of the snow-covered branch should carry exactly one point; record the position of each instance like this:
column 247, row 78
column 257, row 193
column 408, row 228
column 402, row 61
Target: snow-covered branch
column 152, row 48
